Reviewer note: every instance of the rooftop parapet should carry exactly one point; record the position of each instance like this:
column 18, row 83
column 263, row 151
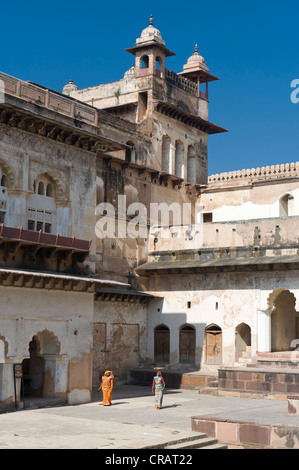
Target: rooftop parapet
column 266, row 172
column 181, row 82
column 49, row 99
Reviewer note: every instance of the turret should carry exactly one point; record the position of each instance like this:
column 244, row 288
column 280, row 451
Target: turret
column 150, row 53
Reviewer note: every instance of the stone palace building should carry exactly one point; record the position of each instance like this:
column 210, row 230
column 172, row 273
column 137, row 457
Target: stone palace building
column 215, row 292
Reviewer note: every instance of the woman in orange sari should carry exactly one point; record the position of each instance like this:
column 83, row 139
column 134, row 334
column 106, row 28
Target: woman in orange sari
column 107, row 387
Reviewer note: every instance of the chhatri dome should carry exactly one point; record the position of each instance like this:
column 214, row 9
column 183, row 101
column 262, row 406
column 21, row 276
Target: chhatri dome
column 69, row 87
column 195, row 62
column 150, row 34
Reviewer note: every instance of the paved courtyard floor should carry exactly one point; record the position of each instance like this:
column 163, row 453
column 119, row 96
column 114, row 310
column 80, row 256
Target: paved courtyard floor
column 132, row 422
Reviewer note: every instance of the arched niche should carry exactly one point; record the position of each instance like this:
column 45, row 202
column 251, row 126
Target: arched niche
column 286, row 205
column 242, row 339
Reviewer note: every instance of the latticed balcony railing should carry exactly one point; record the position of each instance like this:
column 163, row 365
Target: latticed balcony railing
column 181, row 82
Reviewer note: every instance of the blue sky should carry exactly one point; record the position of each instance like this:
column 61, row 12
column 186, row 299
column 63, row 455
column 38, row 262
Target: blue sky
column 251, row 46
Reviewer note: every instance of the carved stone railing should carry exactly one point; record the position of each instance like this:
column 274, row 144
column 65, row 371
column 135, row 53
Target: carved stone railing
column 181, row 82
column 265, row 172
column 49, row 99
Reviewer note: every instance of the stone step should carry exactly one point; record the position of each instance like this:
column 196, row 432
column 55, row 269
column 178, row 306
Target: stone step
column 189, row 438
column 215, row 446
column 34, row 403
column 196, row 440
column 204, row 442
column 214, row 383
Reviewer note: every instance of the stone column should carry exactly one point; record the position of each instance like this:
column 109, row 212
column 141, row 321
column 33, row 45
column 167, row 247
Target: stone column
column 263, row 330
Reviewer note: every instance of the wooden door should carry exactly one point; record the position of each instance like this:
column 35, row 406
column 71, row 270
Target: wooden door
column 161, row 345
column 187, row 345
column 214, row 345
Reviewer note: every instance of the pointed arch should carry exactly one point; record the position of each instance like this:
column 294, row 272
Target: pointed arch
column 48, row 342
column 286, row 203
column 242, row 339
column 6, row 171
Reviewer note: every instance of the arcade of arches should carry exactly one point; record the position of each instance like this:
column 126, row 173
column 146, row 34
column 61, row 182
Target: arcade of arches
column 280, row 328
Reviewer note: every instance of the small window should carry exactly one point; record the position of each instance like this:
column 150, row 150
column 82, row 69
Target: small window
column 31, row 225
column 39, row 226
column 41, row 188
column 189, row 304
column 49, row 190
column 208, row 217
column 3, row 181
column 144, row 62
column 48, row 228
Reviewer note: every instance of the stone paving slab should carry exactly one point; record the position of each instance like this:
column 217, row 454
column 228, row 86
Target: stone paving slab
column 131, row 422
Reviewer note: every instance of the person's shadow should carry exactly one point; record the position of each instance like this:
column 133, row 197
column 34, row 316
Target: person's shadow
column 172, row 406
column 117, row 403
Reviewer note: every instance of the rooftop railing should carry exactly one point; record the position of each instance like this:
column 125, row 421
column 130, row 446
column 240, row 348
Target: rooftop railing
column 181, row 82
column 49, row 99
column 273, row 171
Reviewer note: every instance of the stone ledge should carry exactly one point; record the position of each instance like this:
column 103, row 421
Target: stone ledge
column 246, row 434
column 241, row 393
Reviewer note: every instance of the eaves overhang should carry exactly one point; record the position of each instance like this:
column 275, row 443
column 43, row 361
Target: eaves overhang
column 187, row 118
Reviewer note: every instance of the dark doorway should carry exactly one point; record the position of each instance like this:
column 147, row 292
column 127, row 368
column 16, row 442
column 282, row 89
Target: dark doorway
column 214, row 344
column 187, row 345
column 161, row 344
column 33, row 372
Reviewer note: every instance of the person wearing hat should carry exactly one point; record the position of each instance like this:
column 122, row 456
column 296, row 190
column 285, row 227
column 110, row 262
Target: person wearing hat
column 107, row 387
column 158, row 386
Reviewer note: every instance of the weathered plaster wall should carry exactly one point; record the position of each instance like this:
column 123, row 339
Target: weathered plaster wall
column 27, row 156
column 250, row 200
column 120, row 330
column 65, row 318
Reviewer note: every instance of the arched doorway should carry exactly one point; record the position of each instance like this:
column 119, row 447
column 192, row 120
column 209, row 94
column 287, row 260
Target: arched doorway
column 286, row 204
column 33, row 371
column 213, row 344
column 284, row 321
column 187, row 344
column 242, row 339
column 39, row 370
column 161, row 344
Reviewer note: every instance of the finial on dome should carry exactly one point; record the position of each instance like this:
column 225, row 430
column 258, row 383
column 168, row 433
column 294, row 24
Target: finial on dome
column 151, row 21
column 195, row 49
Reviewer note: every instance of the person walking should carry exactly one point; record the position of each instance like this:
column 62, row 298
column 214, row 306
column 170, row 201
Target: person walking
column 158, row 388
column 107, row 387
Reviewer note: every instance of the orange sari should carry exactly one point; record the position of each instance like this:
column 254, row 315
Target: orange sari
column 107, row 387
